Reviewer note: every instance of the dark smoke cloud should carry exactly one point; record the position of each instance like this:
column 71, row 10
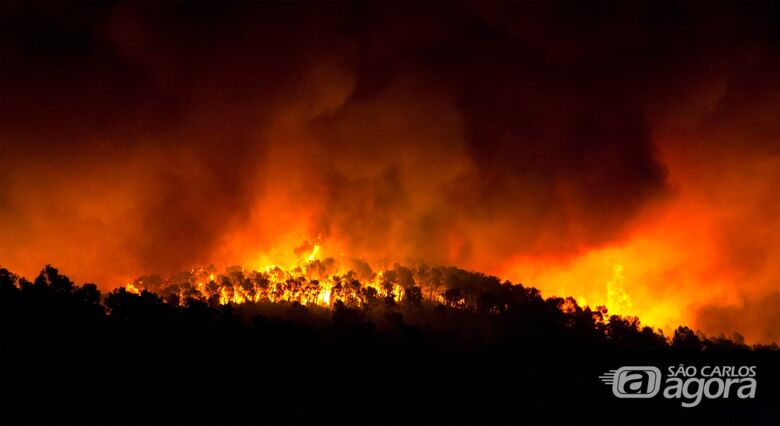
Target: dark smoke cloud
column 179, row 91
column 761, row 317
column 151, row 137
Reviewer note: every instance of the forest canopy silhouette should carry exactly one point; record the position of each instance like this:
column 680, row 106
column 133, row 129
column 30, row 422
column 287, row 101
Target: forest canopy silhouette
column 491, row 352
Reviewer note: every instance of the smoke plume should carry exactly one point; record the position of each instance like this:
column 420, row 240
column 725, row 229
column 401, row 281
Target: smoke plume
column 545, row 143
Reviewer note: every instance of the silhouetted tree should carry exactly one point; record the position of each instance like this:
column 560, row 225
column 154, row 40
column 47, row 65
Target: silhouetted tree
column 148, row 358
column 51, row 277
column 685, row 340
column 454, row 297
column 413, row 296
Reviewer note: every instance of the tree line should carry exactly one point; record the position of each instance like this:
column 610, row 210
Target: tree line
column 487, row 352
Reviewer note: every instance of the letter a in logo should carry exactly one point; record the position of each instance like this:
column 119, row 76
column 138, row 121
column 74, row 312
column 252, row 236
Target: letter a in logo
column 634, row 382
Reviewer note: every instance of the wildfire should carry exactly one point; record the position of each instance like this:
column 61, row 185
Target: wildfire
column 310, row 281
column 617, row 298
column 314, row 252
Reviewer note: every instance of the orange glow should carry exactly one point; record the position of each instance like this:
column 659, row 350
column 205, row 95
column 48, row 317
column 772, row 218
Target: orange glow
column 309, row 282
column 653, row 191
column 670, row 264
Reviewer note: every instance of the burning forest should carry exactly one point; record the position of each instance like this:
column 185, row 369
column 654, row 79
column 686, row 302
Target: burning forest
column 321, row 282
column 460, row 212
column 277, row 347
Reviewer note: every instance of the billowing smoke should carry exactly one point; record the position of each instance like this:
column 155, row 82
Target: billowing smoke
column 544, row 143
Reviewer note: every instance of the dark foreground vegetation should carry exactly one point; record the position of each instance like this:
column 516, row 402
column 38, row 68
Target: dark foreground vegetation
column 73, row 356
